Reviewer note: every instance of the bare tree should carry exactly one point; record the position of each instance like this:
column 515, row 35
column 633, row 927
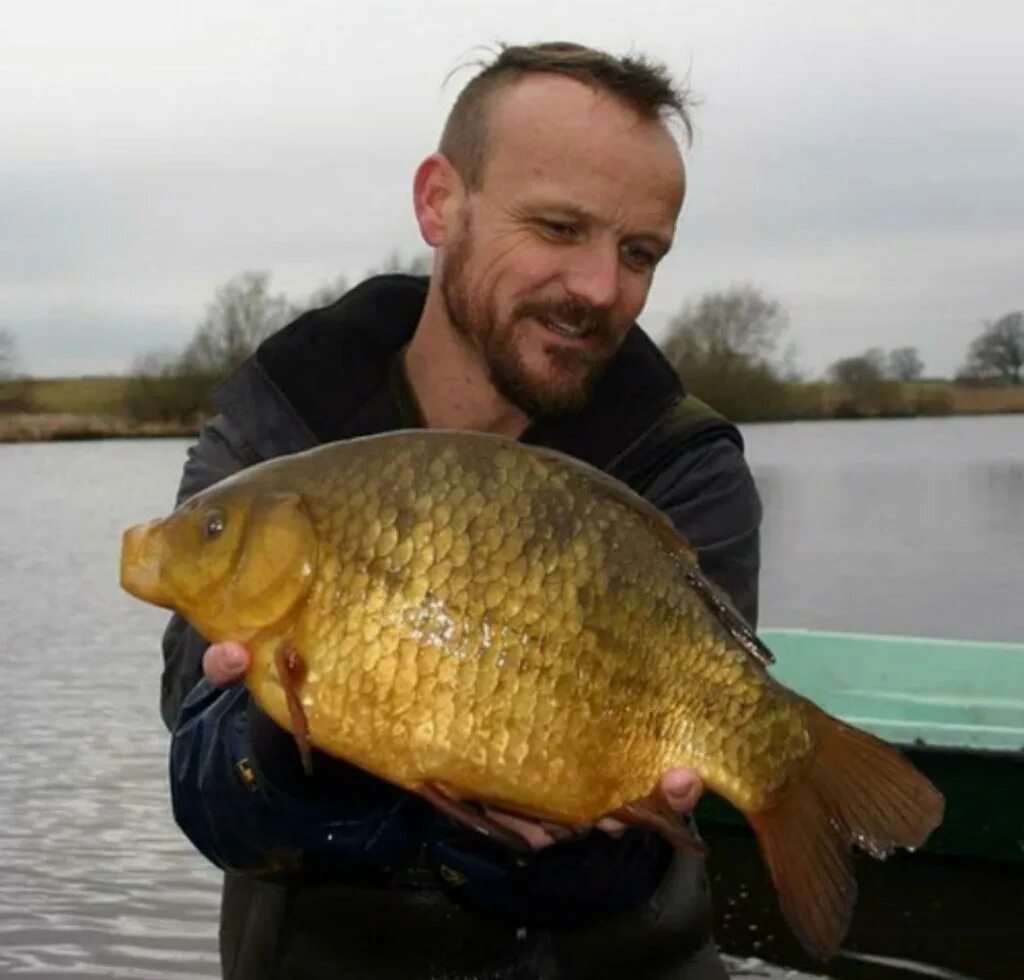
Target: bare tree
column 726, row 348
column 415, row 265
column 861, row 372
column 868, row 391
column 242, row 314
column 998, row 352
column 16, row 394
column 905, row 364
column 8, row 355
column 737, row 326
column 160, row 389
column 325, row 295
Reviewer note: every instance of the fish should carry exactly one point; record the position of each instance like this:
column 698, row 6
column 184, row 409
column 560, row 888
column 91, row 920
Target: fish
column 497, row 626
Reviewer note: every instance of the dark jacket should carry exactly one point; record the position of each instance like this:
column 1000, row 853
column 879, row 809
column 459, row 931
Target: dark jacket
column 306, row 855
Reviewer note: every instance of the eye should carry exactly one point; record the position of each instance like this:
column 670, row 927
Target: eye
column 639, row 257
column 558, row 231
column 213, row 525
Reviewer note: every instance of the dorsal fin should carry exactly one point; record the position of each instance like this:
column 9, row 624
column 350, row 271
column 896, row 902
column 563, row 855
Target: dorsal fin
column 728, row 615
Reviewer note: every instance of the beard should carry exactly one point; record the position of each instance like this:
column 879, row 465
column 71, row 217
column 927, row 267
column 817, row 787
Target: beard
column 475, row 318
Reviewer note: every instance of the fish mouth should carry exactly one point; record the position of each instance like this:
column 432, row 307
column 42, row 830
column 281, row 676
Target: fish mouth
column 141, row 552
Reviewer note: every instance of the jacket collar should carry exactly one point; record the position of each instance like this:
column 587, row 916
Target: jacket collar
column 324, row 377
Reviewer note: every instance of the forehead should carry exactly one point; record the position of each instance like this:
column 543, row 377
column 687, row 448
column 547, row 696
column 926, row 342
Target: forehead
column 549, row 134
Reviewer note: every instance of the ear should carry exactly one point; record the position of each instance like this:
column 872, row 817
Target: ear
column 437, row 194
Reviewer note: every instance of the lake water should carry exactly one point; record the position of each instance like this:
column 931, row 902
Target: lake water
column 894, row 526
column 902, row 526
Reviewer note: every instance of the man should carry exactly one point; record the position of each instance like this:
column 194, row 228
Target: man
column 553, row 196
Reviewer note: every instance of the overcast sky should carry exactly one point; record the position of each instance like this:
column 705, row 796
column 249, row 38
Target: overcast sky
column 861, row 162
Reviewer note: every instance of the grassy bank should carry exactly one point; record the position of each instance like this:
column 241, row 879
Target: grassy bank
column 45, row 409
column 54, row 426
column 907, row 399
column 100, row 397
column 94, row 408
column 973, row 400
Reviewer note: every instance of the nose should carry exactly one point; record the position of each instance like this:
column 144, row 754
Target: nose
column 594, row 276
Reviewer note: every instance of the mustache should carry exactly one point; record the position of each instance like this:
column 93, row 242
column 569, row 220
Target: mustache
column 574, row 312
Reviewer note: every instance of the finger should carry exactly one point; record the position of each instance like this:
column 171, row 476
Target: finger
column 682, row 788
column 225, row 663
column 611, row 826
column 534, row 835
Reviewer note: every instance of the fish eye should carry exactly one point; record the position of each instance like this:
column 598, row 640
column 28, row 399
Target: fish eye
column 213, row 525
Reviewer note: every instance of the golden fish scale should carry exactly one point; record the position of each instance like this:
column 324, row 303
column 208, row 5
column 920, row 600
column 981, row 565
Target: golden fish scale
column 499, row 623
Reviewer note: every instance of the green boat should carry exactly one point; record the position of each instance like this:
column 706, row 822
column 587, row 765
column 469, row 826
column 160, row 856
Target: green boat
column 955, row 909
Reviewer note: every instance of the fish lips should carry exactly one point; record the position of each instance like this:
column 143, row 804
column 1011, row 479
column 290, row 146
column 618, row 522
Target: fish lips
column 141, row 571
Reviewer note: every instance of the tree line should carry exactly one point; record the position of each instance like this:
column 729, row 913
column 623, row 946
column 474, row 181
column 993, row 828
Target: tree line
column 730, row 347
column 178, row 386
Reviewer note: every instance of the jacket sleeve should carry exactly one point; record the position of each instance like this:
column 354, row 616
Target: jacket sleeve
column 710, row 497
column 242, row 821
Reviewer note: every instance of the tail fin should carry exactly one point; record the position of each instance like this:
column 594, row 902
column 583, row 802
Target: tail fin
column 855, row 790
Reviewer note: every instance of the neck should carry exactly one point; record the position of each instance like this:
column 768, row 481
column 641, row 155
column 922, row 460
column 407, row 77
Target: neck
column 450, row 380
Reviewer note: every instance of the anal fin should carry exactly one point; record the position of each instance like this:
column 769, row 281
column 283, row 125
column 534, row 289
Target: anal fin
column 466, row 814
column 561, row 832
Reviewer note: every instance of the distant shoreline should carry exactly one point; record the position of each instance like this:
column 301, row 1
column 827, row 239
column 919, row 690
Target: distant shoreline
column 76, row 409
column 66, row 427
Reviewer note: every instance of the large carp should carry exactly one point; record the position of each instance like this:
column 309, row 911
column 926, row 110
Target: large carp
column 481, row 621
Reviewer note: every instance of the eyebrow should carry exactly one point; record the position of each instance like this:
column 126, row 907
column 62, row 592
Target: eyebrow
column 581, row 214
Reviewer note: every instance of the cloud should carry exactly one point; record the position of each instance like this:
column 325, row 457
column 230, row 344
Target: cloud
column 859, row 161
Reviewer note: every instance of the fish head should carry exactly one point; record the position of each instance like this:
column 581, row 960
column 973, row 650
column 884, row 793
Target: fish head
column 233, row 560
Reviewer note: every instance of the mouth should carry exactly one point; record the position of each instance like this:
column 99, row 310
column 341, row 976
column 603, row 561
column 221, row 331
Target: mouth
column 140, row 564
column 572, row 331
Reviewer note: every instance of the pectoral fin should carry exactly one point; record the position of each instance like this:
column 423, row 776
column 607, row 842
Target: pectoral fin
column 291, row 672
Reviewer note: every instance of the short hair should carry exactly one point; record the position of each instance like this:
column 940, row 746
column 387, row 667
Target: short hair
column 640, row 83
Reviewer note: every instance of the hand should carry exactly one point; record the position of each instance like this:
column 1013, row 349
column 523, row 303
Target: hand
column 682, row 789
column 225, row 663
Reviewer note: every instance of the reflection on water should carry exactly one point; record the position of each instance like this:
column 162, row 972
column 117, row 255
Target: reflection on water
column 912, row 527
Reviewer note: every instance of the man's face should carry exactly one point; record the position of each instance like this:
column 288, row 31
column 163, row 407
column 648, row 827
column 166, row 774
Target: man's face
column 554, row 253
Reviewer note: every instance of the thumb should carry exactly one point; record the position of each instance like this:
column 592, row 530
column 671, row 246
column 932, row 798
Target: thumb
column 225, row 663
column 682, row 788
